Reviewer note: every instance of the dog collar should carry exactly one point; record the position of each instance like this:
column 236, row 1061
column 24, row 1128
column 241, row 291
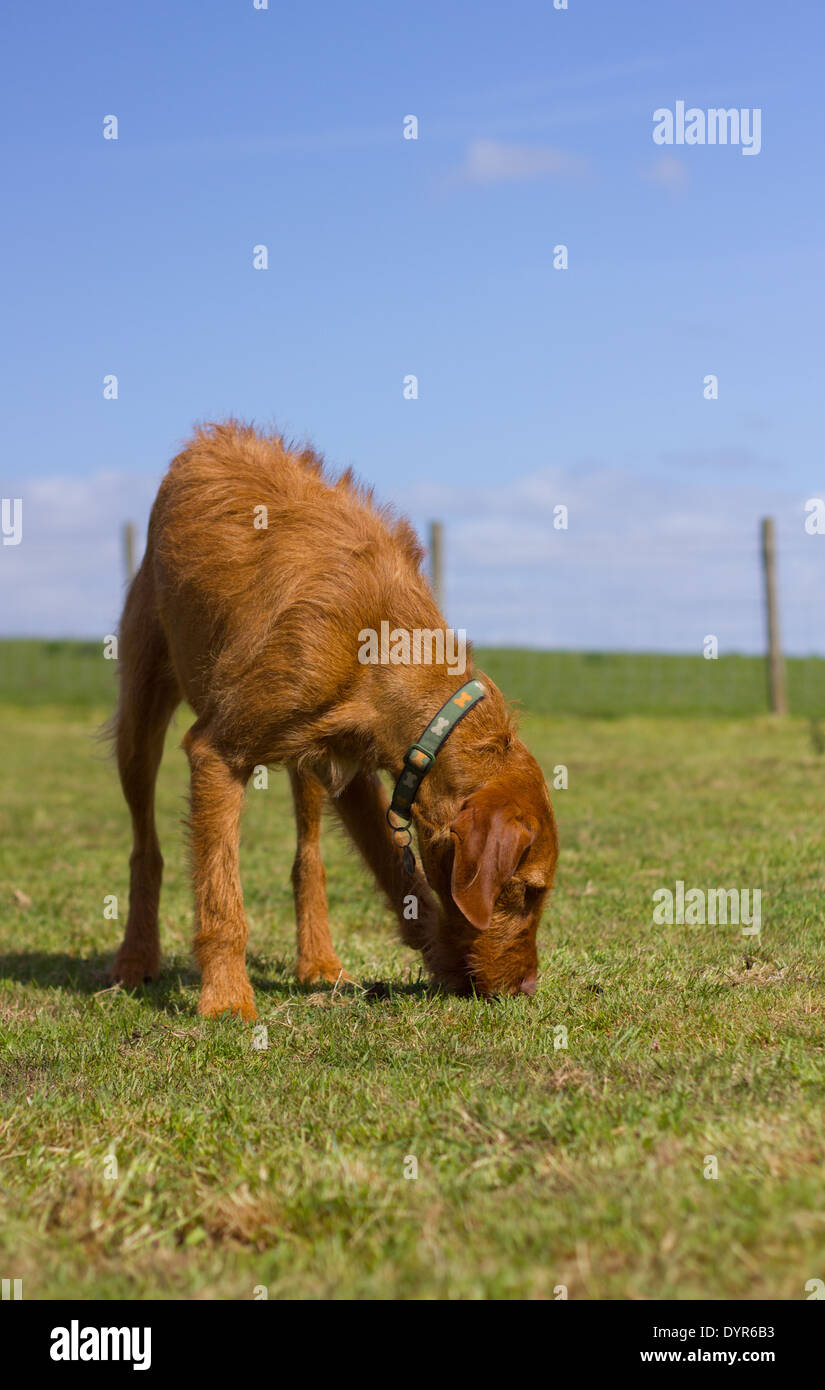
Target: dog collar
column 420, row 757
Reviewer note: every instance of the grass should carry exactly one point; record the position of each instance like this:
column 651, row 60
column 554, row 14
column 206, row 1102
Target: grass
column 538, row 1165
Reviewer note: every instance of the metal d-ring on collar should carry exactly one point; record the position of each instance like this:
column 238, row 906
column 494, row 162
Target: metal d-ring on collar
column 418, row 760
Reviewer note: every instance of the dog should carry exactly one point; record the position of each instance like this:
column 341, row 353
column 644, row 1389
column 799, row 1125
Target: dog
column 259, row 575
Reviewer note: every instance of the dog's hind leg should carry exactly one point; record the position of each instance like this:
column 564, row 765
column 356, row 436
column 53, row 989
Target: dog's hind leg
column 316, row 954
column 148, row 697
column 362, row 806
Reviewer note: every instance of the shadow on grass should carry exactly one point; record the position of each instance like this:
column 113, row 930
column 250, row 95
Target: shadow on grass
column 89, row 976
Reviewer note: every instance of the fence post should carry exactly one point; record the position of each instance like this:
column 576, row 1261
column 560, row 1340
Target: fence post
column 775, row 661
column 437, row 562
column 129, row 550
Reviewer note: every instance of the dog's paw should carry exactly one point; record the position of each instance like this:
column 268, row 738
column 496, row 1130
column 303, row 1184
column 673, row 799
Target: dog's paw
column 318, row 972
column 216, row 1000
column 131, row 969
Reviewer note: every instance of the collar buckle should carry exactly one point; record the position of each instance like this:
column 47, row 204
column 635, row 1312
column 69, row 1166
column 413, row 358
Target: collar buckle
column 418, row 759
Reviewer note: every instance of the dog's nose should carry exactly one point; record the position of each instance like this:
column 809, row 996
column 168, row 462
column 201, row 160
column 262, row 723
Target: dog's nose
column 528, row 986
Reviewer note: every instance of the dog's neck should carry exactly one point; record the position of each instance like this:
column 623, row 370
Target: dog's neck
column 478, row 742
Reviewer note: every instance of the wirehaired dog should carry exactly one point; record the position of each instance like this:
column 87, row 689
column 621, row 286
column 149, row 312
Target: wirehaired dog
column 259, row 577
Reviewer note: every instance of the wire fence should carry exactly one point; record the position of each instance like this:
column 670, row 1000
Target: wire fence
column 604, row 684
column 665, row 626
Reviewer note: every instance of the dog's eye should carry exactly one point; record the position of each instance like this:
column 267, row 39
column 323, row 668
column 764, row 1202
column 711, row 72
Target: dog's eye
column 534, row 898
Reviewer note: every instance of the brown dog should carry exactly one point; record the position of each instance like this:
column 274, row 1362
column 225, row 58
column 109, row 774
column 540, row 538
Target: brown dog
column 259, row 575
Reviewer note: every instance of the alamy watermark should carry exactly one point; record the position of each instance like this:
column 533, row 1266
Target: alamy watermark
column 421, row 646
column 717, row 126
column 698, row 906
column 81, row 1343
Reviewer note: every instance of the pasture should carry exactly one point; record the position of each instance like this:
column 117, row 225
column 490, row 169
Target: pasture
column 560, row 1142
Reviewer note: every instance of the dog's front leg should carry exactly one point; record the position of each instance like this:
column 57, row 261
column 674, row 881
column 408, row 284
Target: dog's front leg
column 316, row 954
column 217, row 792
column 362, row 806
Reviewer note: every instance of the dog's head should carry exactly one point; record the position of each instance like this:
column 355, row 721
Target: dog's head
column 492, row 873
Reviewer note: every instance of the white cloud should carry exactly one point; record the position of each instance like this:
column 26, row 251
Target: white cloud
column 495, row 161
column 646, row 563
column 66, row 577
column 669, row 173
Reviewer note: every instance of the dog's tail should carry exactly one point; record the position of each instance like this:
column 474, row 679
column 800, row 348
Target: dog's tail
column 148, row 689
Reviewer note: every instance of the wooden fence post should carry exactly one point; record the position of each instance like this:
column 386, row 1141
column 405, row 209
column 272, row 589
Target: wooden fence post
column 777, row 690
column 129, row 550
column 437, row 562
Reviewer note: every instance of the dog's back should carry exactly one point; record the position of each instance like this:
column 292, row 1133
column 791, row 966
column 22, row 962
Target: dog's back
column 262, row 570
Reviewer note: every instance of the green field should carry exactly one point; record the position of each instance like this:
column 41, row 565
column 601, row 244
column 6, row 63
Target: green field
column 607, row 684
column 539, row 1165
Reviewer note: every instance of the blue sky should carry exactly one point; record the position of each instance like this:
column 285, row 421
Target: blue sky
column 283, row 127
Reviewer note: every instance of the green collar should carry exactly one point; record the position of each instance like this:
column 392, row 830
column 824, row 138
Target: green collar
column 420, row 757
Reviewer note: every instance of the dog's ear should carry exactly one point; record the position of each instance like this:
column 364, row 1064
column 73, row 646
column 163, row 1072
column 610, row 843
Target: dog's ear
column 490, row 839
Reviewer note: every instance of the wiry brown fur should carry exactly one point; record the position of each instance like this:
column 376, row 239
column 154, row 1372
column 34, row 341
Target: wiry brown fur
column 258, row 630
